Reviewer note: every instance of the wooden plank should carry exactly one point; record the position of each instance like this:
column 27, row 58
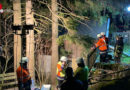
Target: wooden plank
column 13, row 88
column 7, row 74
column 9, row 84
column 8, row 78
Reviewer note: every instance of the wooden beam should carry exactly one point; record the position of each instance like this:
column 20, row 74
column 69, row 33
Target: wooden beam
column 17, row 38
column 30, row 38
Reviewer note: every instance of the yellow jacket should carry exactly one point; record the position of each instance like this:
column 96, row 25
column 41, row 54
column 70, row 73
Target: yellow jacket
column 60, row 71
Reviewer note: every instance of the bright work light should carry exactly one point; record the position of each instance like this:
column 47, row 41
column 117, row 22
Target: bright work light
column 128, row 8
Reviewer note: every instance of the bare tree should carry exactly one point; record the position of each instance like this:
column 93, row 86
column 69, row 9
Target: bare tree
column 6, row 60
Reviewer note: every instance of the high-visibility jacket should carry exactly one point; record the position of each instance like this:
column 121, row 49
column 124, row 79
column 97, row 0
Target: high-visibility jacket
column 60, row 71
column 23, row 75
column 101, row 44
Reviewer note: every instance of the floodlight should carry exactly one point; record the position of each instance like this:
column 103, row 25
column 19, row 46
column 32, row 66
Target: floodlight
column 128, row 8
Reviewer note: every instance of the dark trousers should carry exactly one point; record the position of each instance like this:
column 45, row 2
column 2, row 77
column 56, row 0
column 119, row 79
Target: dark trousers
column 24, row 86
column 85, row 85
column 103, row 56
column 59, row 83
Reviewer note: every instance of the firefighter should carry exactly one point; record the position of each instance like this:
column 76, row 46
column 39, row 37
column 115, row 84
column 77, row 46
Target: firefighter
column 101, row 44
column 81, row 73
column 24, row 79
column 61, row 66
column 118, row 49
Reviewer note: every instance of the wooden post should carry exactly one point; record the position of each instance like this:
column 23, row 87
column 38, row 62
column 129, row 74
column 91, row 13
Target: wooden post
column 54, row 39
column 17, row 38
column 30, row 38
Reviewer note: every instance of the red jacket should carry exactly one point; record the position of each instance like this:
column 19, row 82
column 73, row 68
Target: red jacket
column 23, row 75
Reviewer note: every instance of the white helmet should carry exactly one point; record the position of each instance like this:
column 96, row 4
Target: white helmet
column 24, row 60
column 102, row 33
column 98, row 35
column 63, row 58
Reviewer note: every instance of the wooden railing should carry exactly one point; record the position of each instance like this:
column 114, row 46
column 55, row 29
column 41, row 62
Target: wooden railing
column 8, row 79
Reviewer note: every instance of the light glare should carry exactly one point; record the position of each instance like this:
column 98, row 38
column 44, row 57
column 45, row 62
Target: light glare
column 128, row 8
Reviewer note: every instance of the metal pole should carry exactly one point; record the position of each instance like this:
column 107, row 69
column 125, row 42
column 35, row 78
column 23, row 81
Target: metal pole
column 108, row 25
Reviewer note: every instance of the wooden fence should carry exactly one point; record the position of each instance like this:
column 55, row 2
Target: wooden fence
column 8, row 79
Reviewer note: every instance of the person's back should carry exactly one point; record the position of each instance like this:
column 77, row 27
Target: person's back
column 71, row 83
column 21, row 72
column 102, row 44
column 81, row 73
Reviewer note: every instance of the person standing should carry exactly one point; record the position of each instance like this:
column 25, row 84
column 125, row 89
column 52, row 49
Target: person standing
column 101, row 44
column 118, row 49
column 61, row 66
column 23, row 76
column 105, row 38
column 70, row 82
column 81, row 73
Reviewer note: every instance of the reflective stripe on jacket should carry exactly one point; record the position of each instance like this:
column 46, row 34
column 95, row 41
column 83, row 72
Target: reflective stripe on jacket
column 23, row 75
column 101, row 44
column 60, row 71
